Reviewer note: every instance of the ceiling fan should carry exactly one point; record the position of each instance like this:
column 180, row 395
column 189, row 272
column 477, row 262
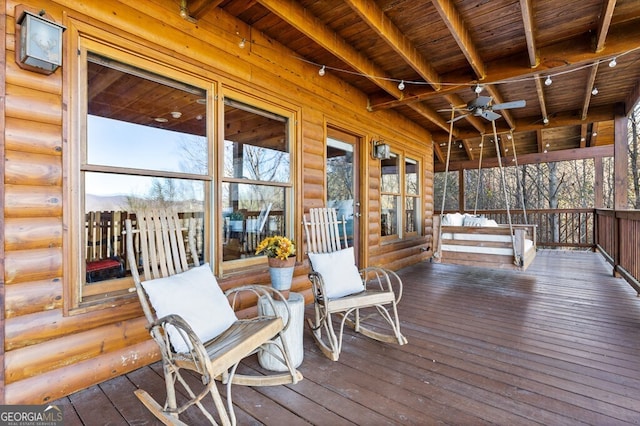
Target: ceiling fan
column 481, row 106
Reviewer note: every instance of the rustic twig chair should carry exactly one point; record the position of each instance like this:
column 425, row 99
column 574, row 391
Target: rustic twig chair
column 193, row 321
column 339, row 287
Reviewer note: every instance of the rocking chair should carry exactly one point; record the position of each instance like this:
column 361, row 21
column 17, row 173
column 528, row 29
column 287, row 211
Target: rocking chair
column 338, row 287
column 192, row 321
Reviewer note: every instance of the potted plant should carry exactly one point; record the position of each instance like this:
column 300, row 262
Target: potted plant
column 280, row 252
column 236, row 221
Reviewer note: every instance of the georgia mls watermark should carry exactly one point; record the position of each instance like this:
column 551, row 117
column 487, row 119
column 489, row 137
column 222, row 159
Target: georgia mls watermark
column 31, row 415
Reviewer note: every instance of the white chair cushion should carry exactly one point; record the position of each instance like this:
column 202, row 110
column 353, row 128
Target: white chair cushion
column 338, row 271
column 196, row 296
column 471, row 220
column 452, row 219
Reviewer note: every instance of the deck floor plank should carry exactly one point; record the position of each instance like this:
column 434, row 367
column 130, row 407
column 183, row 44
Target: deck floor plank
column 556, row 344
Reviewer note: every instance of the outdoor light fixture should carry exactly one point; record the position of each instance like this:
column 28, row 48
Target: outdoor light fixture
column 39, row 45
column 380, row 150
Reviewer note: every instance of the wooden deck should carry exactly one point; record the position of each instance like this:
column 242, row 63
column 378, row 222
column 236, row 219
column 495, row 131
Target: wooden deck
column 558, row 344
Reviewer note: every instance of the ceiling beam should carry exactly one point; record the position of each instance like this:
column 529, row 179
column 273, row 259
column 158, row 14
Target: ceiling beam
column 457, row 102
column 298, row 17
column 529, row 31
column 588, row 89
column 452, row 19
column 604, row 23
column 541, row 101
column 529, row 124
column 572, row 52
column 535, row 158
column 199, row 8
column 497, row 99
column 375, row 18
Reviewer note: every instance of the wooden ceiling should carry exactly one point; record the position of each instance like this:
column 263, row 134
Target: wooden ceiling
column 441, row 49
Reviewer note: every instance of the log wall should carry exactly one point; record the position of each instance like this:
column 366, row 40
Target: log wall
column 47, row 354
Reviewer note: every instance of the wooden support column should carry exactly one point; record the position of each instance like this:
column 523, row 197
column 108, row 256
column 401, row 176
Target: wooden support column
column 461, row 190
column 598, row 184
column 620, row 173
column 620, row 160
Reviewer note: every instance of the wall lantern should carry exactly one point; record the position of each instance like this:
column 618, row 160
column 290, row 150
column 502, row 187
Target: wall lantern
column 380, row 150
column 39, row 45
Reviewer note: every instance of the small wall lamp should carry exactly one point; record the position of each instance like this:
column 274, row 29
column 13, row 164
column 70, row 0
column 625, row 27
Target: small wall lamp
column 380, row 150
column 39, row 45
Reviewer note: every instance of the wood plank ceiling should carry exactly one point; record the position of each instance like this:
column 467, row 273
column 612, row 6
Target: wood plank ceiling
column 442, row 49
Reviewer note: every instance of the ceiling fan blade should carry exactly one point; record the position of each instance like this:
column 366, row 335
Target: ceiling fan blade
column 457, row 118
column 509, row 105
column 480, row 101
column 490, row 115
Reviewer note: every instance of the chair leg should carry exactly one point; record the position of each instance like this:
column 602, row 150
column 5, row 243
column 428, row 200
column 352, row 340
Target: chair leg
column 329, row 345
column 391, row 319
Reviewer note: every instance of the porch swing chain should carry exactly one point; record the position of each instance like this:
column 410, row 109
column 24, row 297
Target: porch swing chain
column 446, row 177
column 475, row 207
column 516, row 258
column 515, row 158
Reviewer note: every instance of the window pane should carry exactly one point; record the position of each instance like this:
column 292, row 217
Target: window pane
column 250, row 213
column 255, row 163
column 112, row 198
column 411, row 177
column 390, row 175
column 389, row 215
column 144, row 121
column 256, row 144
column 411, row 214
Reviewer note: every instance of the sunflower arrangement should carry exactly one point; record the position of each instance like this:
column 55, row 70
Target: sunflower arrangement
column 277, row 247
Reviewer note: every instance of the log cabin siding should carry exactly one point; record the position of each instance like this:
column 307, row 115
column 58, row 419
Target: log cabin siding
column 50, row 354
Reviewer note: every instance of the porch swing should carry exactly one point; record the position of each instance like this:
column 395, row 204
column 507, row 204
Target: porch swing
column 477, row 241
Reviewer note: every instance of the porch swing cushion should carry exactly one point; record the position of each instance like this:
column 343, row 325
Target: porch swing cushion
column 338, row 271
column 201, row 303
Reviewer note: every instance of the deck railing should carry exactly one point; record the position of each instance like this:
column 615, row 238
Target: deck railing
column 616, row 234
column 618, row 239
column 569, row 228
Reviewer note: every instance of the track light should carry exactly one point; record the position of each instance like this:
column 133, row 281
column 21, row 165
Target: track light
column 242, row 43
column 545, row 120
column 613, row 63
column 321, row 71
column 478, row 89
column 548, row 81
column 401, row 85
column 594, row 91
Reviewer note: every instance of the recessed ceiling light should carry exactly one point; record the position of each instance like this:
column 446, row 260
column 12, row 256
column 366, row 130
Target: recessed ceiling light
column 160, row 119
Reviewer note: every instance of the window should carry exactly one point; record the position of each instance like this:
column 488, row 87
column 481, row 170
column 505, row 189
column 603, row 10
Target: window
column 411, row 197
column 141, row 142
column 400, row 200
column 390, row 196
column 256, row 182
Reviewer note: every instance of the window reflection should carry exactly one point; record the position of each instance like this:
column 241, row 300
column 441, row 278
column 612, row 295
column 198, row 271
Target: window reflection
column 257, row 176
column 145, row 147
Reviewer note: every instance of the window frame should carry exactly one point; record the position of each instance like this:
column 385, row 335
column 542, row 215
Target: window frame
column 401, row 196
column 290, row 116
column 79, row 297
